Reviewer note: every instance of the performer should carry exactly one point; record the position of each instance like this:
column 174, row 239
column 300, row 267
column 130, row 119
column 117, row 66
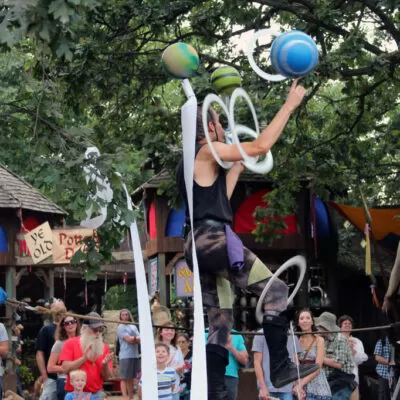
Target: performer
column 212, row 217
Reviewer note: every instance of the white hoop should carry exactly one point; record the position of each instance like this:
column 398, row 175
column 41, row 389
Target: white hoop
column 298, row 261
column 249, row 162
column 213, row 98
column 250, row 56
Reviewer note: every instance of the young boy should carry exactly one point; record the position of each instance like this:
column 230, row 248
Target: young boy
column 165, row 375
column 78, row 381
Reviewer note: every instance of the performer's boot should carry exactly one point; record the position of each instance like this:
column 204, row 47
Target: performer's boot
column 217, row 360
column 282, row 370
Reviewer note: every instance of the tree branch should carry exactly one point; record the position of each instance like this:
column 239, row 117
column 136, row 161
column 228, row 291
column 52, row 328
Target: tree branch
column 320, row 23
column 384, row 17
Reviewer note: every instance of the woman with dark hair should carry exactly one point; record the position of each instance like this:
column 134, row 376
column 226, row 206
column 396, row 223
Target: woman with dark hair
column 167, row 334
column 183, row 342
column 314, row 386
column 67, row 328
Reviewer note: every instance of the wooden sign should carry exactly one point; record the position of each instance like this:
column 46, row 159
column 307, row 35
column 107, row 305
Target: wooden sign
column 66, row 242
column 40, row 242
column 183, row 279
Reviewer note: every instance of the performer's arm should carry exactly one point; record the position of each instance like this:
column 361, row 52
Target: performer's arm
column 232, row 177
column 269, row 135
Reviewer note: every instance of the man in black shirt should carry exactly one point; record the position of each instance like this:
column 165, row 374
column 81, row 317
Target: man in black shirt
column 44, row 344
column 212, row 215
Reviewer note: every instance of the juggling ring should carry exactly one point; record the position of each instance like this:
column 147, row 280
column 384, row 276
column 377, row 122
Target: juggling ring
column 250, row 56
column 300, row 262
column 249, row 162
column 262, row 167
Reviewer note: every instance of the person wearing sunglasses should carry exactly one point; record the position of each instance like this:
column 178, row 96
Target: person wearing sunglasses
column 67, row 328
column 89, row 353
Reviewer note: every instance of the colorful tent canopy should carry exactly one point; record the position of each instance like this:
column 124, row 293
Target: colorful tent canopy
column 176, row 220
column 244, row 221
column 3, row 240
column 385, row 223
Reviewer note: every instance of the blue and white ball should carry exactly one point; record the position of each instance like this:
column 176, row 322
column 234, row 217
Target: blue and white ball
column 294, row 54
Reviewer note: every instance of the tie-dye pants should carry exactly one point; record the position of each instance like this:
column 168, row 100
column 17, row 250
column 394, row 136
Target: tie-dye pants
column 216, row 278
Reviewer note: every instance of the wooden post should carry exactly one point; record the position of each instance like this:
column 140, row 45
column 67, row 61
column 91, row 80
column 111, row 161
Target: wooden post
column 10, row 377
column 162, row 279
column 51, row 283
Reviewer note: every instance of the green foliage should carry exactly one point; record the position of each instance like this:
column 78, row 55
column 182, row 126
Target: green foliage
column 26, row 376
column 118, row 297
column 77, row 73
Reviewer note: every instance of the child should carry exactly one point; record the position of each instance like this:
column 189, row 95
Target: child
column 78, row 381
column 165, row 375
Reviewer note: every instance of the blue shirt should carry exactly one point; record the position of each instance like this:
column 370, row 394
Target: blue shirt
column 76, row 396
column 127, row 350
column 232, row 369
column 383, row 349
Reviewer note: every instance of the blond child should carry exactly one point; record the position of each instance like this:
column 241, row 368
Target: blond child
column 78, row 380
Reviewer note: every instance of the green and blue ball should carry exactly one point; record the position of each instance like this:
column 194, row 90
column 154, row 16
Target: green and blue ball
column 180, row 60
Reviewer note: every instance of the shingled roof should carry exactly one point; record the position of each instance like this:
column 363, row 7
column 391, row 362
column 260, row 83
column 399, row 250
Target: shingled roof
column 16, row 193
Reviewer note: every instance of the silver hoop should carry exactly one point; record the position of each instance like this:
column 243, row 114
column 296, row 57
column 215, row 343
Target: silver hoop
column 298, row 261
column 213, row 98
column 250, row 56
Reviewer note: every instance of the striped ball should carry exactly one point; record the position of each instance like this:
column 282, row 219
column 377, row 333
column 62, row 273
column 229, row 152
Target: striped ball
column 180, row 60
column 294, row 54
column 225, row 80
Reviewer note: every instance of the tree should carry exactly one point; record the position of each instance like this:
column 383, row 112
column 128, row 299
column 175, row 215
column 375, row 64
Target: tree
column 89, row 72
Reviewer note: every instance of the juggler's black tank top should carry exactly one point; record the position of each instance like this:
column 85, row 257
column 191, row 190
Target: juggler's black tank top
column 209, row 202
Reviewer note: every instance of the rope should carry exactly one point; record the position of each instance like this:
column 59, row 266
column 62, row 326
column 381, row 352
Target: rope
column 61, row 313
column 46, row 311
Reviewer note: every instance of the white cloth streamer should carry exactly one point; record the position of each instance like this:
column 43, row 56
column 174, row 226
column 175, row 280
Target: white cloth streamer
column 104, row 193
column 199, row 367
column 149, row 363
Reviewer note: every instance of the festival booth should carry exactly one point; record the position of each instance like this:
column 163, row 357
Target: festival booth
column 35, row 253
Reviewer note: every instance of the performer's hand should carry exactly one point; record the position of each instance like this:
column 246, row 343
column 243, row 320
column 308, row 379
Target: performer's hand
column 295, row 96
column 263, row 394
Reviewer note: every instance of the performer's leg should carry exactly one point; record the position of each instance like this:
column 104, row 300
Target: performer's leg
column 217, row 297
column 217, row 293
column 254, row 277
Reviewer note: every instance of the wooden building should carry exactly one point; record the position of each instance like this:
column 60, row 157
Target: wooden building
column 23, row 208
